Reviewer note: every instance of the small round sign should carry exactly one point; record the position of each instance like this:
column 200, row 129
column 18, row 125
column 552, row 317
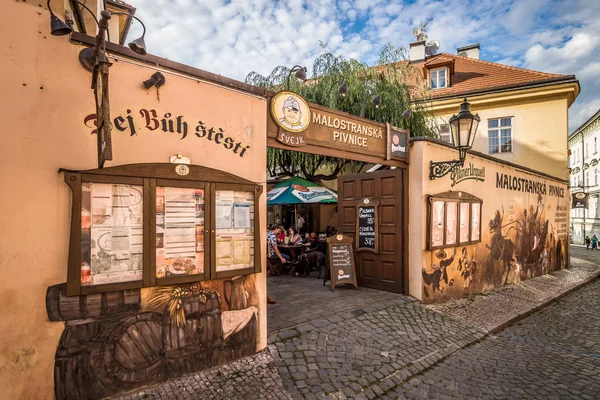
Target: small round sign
column 339, row 237
column 580, row 195
column 366, row 201
column 182, row 169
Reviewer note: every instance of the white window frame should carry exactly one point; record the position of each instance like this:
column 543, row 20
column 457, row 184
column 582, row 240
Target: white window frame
column 498, row 131
column 434, row 78
column 595, row 145
column 596, row 176
column 448, row 134
column 587, row 148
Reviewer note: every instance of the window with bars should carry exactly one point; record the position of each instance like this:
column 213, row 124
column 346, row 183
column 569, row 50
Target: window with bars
column 437, row 78
column 500, row 135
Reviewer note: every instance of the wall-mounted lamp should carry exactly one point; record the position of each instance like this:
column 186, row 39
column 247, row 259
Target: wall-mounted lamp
column 88, row 57
column 342, row 91
column 300, row 74
column 157, row 79
column 464, row 127
column 376, row 100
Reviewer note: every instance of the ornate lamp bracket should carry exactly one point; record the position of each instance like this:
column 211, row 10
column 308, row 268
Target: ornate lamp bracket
column 442, row 168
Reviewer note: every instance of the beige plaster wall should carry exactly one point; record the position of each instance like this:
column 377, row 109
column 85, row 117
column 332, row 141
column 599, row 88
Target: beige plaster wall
column 45, row 97
column 499, row 204
column 540, row 130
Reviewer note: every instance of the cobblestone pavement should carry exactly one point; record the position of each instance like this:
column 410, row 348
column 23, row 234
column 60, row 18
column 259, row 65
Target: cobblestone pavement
column 301, row 300
column 553, row 354
column 398, row 348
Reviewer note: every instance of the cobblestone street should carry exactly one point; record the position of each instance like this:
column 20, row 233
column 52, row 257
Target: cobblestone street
column 398, row 348
column 554, row 354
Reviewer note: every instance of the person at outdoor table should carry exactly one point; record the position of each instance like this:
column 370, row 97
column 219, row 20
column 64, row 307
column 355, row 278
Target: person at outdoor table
column 293, row 237
column 281, row 235
column 272, row 250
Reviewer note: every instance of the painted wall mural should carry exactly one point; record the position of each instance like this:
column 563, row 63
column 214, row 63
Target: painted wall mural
column 524, row 234
column 117, row 341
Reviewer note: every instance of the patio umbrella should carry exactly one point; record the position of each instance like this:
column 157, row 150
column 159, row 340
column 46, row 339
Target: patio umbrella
column 300, row 191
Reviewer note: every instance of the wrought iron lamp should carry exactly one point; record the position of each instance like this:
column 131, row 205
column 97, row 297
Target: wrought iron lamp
column 300, row 74
column 342, row 91
column 376, row 100
column 464, row 127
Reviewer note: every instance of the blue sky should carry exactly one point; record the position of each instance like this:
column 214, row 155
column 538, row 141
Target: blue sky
column 235, row 37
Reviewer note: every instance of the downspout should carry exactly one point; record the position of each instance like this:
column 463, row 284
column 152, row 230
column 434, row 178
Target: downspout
column 583, row 180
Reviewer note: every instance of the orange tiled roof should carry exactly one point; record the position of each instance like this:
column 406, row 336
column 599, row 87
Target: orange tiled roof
column 476, row 76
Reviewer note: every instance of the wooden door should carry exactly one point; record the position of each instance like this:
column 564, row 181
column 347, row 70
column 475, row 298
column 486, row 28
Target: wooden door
column 386, row 269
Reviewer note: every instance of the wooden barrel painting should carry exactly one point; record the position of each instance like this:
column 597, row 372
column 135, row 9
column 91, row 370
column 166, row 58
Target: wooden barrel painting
column 131, row 351
column 62, row 308
column 201, row 332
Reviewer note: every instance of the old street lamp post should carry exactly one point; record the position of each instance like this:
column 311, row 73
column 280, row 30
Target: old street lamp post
column 464, row 127
column 376, row 100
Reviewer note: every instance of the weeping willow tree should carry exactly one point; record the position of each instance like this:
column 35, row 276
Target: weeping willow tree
column 393, row 79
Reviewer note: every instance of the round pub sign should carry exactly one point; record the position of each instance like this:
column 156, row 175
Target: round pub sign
column 290, row 111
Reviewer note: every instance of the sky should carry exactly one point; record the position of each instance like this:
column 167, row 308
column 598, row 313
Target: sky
column 233, row 38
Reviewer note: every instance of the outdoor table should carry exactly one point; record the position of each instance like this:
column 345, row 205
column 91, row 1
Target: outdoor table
column 293, row 248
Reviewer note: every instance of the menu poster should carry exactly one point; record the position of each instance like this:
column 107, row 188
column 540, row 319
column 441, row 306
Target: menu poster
column 437, row 223
column 241, row 215
column 475, row 221
column 341, row 261
column 112, row 233
column 451, row 222
column 177, row 220
column 234, row 230
column 464, row 222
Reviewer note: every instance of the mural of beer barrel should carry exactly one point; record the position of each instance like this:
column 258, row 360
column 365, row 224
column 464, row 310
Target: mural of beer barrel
column 62, row 308
column 131, row 351
column 189, row 348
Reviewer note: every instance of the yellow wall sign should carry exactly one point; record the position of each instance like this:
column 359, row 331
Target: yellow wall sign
column 290, row 111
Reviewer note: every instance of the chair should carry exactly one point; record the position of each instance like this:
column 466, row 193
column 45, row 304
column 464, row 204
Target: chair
column 273, row 266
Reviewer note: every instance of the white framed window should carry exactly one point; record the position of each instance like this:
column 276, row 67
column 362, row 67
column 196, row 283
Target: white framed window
column 587, row 148
column 596, row 176
column 595, row 145
column 437, row 78
column 445, row 133
column 500, row 135
column 586, row 182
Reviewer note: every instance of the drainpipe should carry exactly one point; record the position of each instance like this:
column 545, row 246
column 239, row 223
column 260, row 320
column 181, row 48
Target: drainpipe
column 583, row 179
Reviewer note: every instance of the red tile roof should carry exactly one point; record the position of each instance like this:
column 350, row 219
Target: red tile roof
column 477, row 76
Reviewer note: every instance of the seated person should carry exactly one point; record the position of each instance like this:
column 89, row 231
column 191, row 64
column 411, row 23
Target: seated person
column 293, row 237
column 314, row 256
column 272, row 250
column 281, row 235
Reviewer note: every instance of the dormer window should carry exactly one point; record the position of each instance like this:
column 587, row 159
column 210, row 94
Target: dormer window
column 437, row 78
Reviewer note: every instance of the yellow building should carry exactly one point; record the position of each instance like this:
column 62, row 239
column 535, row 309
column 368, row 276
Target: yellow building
column 524, row 113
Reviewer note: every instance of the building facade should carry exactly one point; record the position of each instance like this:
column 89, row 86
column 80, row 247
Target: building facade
column 524, row 113
column 585, row 177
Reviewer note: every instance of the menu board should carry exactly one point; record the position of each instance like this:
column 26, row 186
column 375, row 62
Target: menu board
column 234, row 247
column 451, row 222
column 366, row 226
column 111, row 233
column 179, row 231
column 341, row 261
column 464, row 223
column 437, row 224
column 475, row 221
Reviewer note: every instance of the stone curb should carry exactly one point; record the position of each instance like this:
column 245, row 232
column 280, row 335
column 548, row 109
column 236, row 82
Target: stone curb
column 524, row 313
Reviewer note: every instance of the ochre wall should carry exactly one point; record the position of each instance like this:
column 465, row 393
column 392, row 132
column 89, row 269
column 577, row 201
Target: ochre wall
column 540, row 130
column 46, row 96
column 507, row 253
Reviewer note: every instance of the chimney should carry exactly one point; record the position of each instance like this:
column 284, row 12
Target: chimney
column 417, row 51
column 471, row 51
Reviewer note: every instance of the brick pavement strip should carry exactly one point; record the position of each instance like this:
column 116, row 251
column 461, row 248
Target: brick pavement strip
column 402, row 349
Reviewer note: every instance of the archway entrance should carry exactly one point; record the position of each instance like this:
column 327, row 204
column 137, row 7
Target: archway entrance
column 381, row 270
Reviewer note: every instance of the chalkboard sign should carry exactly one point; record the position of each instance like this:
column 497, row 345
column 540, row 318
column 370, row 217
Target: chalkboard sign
column 341, row 261
column 366, row 226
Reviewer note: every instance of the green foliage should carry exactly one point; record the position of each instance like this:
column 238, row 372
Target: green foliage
column 394, row 79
